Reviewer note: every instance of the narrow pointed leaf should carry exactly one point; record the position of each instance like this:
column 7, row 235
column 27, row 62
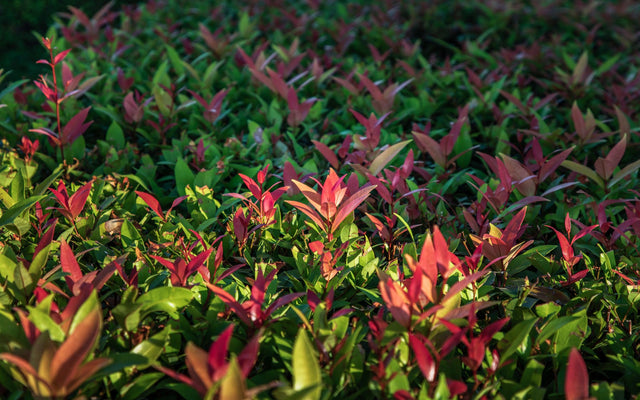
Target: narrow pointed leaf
column 152, row 202
column 386, row 156
column 78, row 200
column 350, row 205
column 67, row 360
column 583, row 170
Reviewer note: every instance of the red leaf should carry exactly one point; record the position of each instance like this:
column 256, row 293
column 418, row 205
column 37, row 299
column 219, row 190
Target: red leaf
column 281, row 301
column 152, row 202
column 308, row 211
column 248, row 356
column 575, row 277
column 175, row 203
column 552, row 164
column 76, row 126
column 576, row 384
column 423, row 357
column 217, row 360
column 197, row 261
column 578, row 121
column 69, row 264
column 49, row 133
column 46, row 239
column 79, row 199
column 328, row 154
column 490, row 330
column 567, row 250
column 512, row 231
column 60, row 56
column 133, row 111
column 605, row 167
column 252, row 186
column 65, row 364
column 449, row 141
column 231, row 302
column 426, row 143
column 396, row 301
column 350, row 205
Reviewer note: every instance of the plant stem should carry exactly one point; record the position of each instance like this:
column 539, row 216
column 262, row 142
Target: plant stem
column 55, row 87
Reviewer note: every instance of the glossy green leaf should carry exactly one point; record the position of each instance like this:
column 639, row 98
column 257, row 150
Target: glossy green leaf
column 515, row 338
column 305, row 368
column 184, row 176
column 167, row 299
column 151, row 348
column 8, row 216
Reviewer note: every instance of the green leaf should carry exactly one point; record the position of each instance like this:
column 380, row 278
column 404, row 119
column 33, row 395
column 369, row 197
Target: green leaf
column 167, row 299
column 583, row 170
column 176, row 61
column 39, row 261
column 22, row 279
column 163, row 100
column 151, row 348
column 606, row 66
column 92, row 303
column 629, row 169
column 129, row 235
column 553, row 327
column 515, row 338
column 232, row 386
column 115, row 136
column 141, row 386
column 7, row 267
column 184, row 176
column 17, row 187
column 11, row 87
column 12, row 213
column 161, row 76
column 45, row 323
column 386, row 156
column 46, row 183
column 6, row 198
column 305, row 368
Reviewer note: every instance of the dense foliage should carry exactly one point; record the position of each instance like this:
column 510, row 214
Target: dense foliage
column 324, row 200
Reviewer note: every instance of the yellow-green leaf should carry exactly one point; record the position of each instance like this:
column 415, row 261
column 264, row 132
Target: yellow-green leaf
column 306, row 369
column 386, row 156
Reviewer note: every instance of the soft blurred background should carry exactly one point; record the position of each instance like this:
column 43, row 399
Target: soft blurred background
column 19, row 19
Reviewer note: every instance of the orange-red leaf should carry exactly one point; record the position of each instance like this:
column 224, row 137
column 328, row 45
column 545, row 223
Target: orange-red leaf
column 66, row 363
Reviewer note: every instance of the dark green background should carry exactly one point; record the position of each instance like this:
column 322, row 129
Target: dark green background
column 19, row 47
